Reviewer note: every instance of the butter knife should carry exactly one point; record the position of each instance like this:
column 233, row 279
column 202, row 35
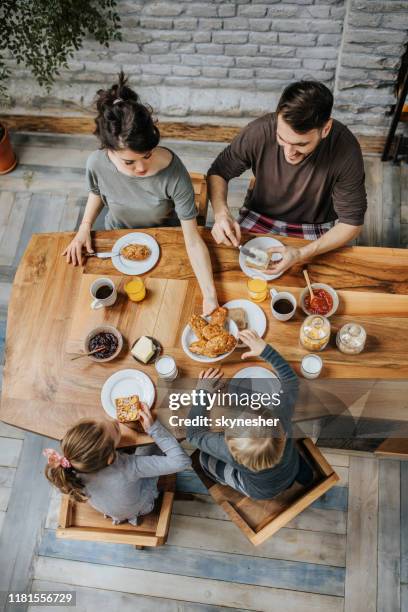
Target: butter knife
column 105, row 255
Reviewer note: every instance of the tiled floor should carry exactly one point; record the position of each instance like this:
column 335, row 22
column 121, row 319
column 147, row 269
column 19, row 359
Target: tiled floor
column 348, row 552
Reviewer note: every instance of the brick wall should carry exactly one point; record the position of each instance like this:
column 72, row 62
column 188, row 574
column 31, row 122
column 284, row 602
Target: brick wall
column 229, row 61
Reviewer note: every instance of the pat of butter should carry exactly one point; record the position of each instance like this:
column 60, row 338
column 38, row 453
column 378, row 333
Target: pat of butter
column 143, row 349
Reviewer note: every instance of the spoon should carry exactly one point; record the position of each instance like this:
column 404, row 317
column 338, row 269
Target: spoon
column 306, row 275
column 100, row 348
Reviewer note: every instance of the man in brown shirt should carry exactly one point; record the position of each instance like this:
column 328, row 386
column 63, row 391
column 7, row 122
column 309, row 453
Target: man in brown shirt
column 309, row 177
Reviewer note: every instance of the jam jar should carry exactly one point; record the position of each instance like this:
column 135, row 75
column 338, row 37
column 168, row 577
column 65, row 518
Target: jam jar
column 315, row 333
column 351, row 338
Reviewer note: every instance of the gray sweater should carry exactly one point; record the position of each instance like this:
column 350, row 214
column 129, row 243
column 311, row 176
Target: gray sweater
column 127, row 488
column 264, row 484
column 141, row 201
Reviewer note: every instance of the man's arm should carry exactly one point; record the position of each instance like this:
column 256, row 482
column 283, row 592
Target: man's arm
column 226, row 229
column 336, row 237
column 239, row 156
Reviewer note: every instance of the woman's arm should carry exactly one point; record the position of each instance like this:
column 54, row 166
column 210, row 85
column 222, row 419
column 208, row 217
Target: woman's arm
column 73, row 252
column 200, row 261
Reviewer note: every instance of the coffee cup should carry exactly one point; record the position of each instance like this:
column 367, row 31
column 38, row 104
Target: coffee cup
column 283, row 304
column 104, row 293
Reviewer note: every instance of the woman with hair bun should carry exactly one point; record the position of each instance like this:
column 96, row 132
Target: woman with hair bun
column 141, row 183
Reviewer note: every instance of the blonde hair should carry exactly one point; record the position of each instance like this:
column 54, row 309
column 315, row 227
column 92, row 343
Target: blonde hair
column 258, row 452
column 88, row 446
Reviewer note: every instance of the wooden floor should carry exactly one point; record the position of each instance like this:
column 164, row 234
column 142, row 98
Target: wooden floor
column 347, row 553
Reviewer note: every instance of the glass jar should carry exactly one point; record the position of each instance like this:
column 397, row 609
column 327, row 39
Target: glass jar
column 351, row 338
column 315, row 333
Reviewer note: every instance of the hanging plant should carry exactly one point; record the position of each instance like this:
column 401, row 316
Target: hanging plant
column 44, row 34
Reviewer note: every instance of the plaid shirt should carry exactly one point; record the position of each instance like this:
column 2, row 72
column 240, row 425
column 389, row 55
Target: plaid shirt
column 261, row 224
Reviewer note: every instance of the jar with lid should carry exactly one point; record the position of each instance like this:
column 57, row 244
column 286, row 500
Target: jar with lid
column 351, row 338
column 315, row 333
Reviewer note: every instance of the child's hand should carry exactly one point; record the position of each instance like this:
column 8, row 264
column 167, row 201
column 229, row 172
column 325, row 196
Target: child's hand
column 146, row 417
column 253, row 341
column 212, row 376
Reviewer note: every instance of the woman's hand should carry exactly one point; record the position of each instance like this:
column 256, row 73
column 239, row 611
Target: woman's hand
column 146, row 417
column 253, row 341
column 82, row 239
column 209, row 305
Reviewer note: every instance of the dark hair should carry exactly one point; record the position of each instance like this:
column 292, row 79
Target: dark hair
column 123, row 122
column 305, row 105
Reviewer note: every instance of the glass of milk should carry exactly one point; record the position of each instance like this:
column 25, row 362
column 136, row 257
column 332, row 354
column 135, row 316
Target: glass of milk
column 311, row 366
column 166, row 367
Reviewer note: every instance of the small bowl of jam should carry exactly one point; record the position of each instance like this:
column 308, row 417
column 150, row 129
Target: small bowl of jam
column 106, row 340
column 325, row 302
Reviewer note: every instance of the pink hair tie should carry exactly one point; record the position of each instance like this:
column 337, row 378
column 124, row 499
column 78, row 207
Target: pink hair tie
column 55, row 459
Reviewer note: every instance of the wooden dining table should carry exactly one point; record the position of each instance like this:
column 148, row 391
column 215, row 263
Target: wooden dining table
column 45, row 391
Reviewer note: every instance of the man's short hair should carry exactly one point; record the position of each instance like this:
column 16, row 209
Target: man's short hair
column 305, row 105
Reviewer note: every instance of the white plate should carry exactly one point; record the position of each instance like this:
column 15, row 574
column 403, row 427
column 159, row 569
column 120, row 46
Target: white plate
column 188, row 336
column 261, row 242
column 123, row 384
column 254, row 372
column 134, row 268
column 255, row 315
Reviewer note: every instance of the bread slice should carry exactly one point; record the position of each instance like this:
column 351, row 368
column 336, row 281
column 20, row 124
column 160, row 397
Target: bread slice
column 128, row 409
column 253, row 262
column 239, row 316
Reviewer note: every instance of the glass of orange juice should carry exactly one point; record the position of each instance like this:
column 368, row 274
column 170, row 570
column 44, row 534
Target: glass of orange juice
column 257, row 289
column 136, row 290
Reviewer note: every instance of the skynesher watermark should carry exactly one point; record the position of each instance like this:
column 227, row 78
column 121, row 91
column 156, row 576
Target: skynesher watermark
column 224, row 399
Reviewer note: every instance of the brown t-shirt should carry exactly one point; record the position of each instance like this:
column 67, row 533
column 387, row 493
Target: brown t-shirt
column 325, row 186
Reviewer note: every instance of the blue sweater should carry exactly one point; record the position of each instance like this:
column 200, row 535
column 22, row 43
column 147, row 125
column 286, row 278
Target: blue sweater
column 264, row 484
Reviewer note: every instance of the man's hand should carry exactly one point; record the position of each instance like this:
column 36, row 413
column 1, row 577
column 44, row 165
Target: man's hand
column 290, row 257
column 253, row 342
column 226, row 230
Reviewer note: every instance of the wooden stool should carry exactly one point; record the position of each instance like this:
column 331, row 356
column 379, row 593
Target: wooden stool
column 79, row 521
column 260, row 519
column 200, row 196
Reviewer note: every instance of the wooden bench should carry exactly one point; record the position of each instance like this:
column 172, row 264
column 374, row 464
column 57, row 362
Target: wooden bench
column 200, row 195
column 79, row 521
column 260, row 519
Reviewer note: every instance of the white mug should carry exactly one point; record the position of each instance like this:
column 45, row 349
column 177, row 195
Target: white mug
column 282, row 295
column 102, row 302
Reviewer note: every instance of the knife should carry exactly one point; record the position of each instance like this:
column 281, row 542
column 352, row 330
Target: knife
column 105, row 255
column 245, row 251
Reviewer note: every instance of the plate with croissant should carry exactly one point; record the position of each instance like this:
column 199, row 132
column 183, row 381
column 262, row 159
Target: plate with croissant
column 209, row 339
column 135, row 253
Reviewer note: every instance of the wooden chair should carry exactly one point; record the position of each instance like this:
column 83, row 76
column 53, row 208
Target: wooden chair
column 260, row 519
column 201, row 196
column 79, row 521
